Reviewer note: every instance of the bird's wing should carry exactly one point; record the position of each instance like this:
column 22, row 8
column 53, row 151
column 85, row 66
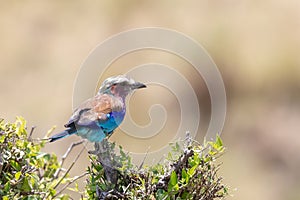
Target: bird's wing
column 94, row 110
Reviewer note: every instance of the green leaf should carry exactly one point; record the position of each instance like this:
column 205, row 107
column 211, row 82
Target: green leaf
column 21, row 126
column 26, row 187
column 176, row 187
column 219, row 142
column 64, row 197
column 52, row 191
column 196, row 159
column 7, row 186
column 173, row 183
column 17, row 175
column 183, row 174
column 7, row 176
column 2, row 138
column 170, row 157
column 15, row 165
column 173, row 178
column 191, row 171
column 5, row 198
column 161, row 194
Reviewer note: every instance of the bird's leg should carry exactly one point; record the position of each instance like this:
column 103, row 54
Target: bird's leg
column 108, row 135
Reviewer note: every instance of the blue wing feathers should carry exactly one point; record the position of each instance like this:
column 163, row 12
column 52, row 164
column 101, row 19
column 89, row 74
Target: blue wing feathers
column 95, row 119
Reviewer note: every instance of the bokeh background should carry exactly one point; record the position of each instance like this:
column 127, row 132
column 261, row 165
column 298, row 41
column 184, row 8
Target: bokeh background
column 255, row 44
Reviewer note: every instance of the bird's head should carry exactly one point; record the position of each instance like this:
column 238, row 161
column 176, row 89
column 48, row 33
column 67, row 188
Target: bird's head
column 120, row 86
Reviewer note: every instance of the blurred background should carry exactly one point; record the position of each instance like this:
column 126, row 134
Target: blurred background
column 255, row 45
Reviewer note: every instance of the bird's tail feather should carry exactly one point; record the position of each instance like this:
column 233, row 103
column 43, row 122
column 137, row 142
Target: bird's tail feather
column 62, row 134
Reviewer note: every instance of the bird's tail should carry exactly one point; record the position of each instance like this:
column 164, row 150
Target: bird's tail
column 62, row 134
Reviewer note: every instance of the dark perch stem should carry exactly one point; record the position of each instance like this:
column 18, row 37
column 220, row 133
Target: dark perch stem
column 107, row 157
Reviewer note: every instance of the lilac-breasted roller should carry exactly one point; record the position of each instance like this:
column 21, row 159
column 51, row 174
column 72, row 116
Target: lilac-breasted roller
column 100, row 115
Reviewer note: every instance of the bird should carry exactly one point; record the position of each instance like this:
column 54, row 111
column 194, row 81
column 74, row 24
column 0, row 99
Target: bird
column 97, row 117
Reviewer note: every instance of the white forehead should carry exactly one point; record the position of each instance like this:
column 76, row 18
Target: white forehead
column 117, row 79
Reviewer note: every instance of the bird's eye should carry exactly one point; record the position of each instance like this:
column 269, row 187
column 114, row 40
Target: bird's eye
column 112, row 88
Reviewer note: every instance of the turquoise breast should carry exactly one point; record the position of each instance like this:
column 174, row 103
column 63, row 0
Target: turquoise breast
column 114, row 119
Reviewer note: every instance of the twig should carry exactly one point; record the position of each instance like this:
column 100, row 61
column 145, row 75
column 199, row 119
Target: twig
column 69, row 169
column 63, row 158
column 142, row 163
column 177, row 167
column 31, row 132
column 72, row 181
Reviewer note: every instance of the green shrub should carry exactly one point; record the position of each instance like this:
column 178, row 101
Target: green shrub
column 25, row 171
column 189, row 173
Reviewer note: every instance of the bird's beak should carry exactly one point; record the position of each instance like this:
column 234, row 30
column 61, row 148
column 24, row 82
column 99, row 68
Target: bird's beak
column 138, row 85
